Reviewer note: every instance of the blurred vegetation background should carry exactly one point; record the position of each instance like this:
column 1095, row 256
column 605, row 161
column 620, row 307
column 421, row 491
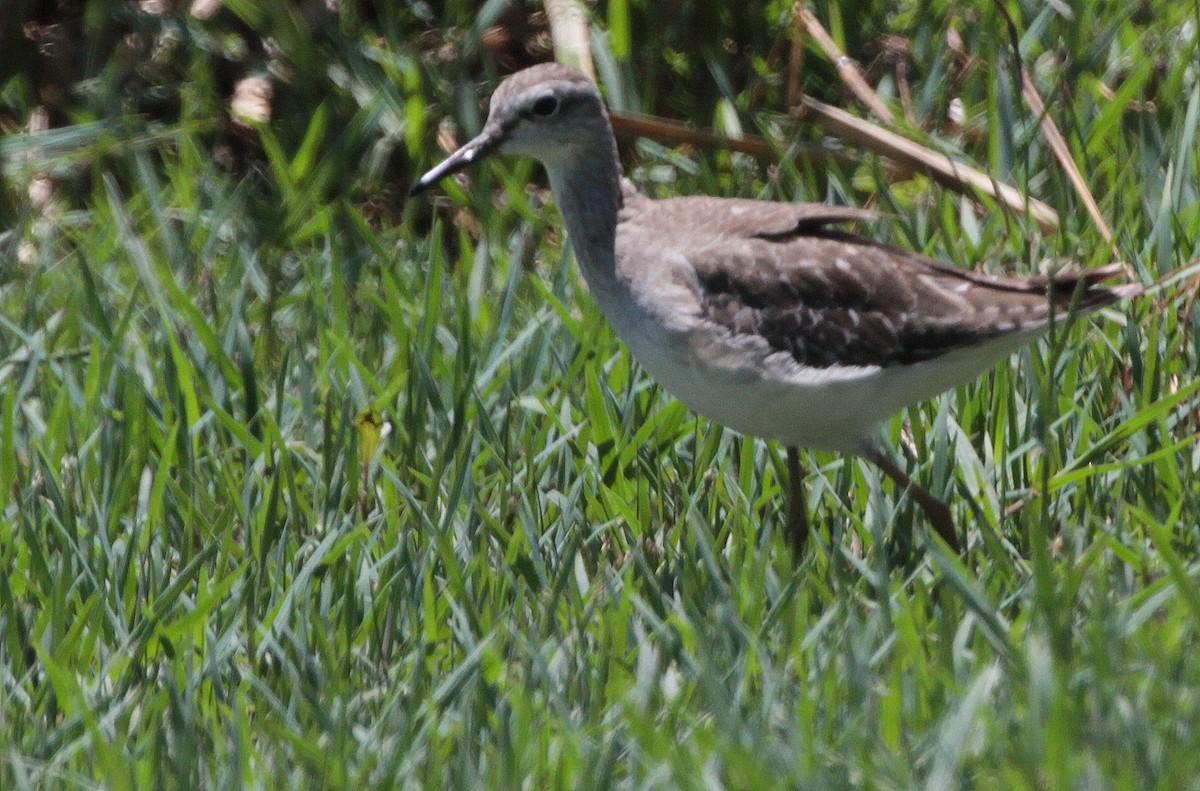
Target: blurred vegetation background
column 304, row 485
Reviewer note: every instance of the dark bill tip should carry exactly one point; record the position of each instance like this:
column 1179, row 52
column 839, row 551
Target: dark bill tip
column 476, row 149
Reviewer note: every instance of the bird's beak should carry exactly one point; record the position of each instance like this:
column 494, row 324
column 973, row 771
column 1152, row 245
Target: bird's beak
column 476, row 149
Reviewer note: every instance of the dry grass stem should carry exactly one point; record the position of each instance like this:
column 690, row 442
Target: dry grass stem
column 663, row 130
column 571, row 35
column 847, row 68
column 920, row 159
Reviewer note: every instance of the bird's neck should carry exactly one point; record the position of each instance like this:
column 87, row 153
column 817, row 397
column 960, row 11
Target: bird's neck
column 587, row 188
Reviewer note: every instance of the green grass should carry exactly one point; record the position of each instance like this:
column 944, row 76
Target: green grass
column 550, row 574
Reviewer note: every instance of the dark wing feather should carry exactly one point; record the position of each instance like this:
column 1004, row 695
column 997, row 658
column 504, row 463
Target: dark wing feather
column 829, row 298
column 869, row 313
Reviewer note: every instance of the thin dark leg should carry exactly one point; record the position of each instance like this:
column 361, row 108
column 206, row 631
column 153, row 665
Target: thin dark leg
column 797, row 523
column 937, row 512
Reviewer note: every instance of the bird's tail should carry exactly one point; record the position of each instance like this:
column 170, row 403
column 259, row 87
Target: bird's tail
column 1084, row 288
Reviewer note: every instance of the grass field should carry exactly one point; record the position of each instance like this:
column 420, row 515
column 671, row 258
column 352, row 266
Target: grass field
column 303, row 487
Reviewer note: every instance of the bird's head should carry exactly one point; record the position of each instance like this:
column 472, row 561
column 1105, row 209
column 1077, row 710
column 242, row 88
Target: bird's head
column 546, row 112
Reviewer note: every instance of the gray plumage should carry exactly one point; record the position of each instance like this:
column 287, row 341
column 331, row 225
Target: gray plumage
column 828, row 297
column 768, row 318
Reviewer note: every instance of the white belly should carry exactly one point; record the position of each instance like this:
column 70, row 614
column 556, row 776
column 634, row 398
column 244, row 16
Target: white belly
column 739, row 382
column 835, row 411
column 750, row 390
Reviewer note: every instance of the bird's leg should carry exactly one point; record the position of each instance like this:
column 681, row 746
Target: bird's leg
column 936, row 511
column 797, row 523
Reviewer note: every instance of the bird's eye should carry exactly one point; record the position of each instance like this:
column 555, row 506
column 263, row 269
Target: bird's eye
column 545, row 106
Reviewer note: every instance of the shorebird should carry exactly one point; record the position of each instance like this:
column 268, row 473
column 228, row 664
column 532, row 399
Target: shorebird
column 767, row 318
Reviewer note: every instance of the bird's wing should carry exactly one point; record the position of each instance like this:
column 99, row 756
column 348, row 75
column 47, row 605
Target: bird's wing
column 739, row 217
column 830, row 298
